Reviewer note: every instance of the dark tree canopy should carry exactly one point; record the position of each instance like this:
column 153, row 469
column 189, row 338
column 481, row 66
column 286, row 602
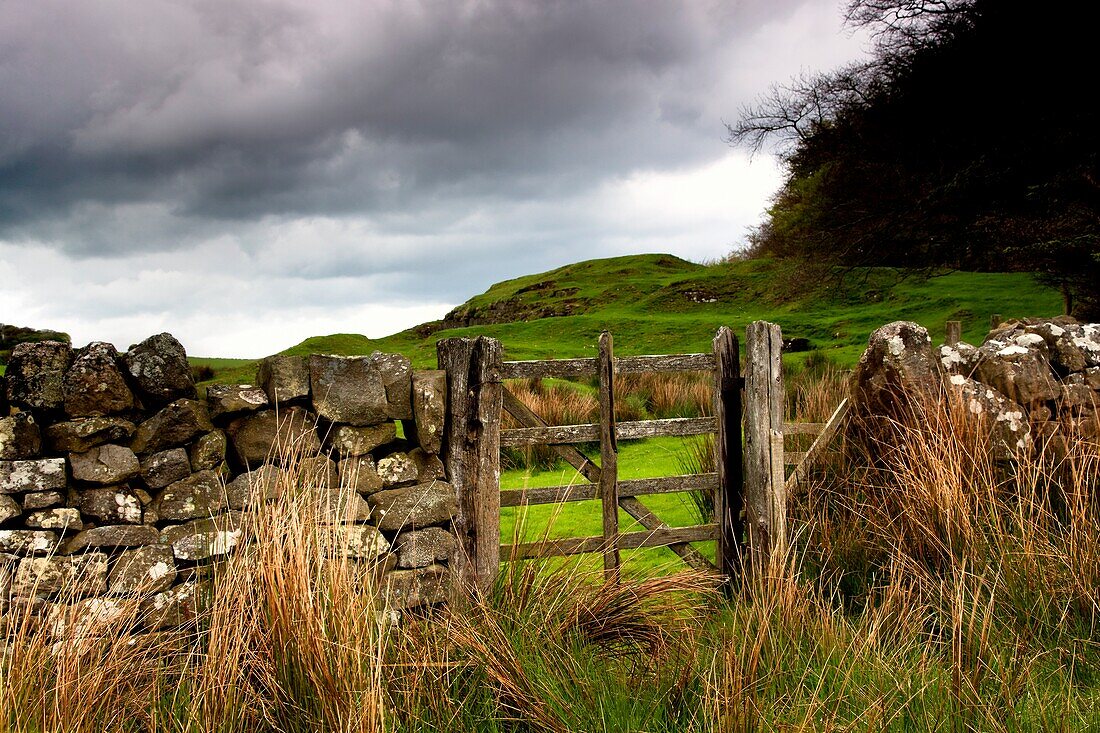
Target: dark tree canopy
column 968, row 140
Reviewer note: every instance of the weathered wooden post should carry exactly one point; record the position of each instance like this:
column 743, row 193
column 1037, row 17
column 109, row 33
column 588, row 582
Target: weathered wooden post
column 765, row 488
column 994, row 321
column 952, row 332
column 609, row 458
column 728, row 453
column 471, row 447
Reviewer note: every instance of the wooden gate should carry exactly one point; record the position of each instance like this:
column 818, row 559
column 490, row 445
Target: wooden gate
column 748, row 481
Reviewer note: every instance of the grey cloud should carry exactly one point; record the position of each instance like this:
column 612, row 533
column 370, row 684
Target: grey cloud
column 147, row 126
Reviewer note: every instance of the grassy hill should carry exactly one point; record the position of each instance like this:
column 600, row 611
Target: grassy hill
column 663, row 304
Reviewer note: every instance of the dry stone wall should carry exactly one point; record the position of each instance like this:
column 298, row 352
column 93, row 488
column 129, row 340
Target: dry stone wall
column 118, row 481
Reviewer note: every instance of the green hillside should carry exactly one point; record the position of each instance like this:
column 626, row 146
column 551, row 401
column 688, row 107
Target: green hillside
column 663, row 304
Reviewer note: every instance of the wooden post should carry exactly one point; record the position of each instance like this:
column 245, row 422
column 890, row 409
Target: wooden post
column 765, row 489
column 994, row 321
column 952, row 332
column 609, row 458
column 728, row 453
column 471, row 449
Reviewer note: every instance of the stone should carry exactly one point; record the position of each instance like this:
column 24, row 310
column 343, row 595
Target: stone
column 89, row 618
column 35, row 372
column 1015, row 364
column 149, row 569
column 20, row 437
column 315, row 472
column 429, row 467
column 348, row 389
column 177, row 607
column 349, row 440
column 397, row 469
column 359, row 474
column 1092, row 378
column 42, row 500
column 897, row 366
column 338, row 506
column 9, row 508
column 159, row 368
column 1063, row 355
column 413, row 507
column 105, row 464
column 1006, row 420
column 130, row 535
column 396, row 371
column 42, row 474
column 165, row 467
column 358, row 542
column 176, row 424
column 402, row 589
column 255, row 487
column 422, row 547
column 79, row 575
column 204, row 539
column 208, row 451
column 271, row 434
column 962, row 358
column 111, row 505
column 429, row 403
column 64, row 519
column 197, row 496
column 94, row 386
column 78, row 436
column 27, row 541
column 232, row 399
column 284, row 378
column 1076, row 393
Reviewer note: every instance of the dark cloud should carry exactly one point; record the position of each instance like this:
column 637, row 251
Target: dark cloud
column 230, row 111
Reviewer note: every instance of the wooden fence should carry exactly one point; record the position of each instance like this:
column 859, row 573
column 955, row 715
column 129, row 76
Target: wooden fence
column 749, row 483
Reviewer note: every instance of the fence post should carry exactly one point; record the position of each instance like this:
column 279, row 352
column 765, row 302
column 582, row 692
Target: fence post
column 952, row 332
column 994, row 321
column 728, row 453
column 471, row 447
column 765, row 488
column 609, row 458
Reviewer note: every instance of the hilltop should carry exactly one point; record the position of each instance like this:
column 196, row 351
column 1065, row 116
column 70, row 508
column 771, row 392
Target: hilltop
column 662, row 304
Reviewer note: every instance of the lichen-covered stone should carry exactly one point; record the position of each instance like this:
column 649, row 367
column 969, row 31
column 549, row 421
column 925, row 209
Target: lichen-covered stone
column 94, row 385
column 159, row 367
column 253, row 488
column 42, row 500
column 270, row 434
column 413, row 507
column 208, row 452
column 177, row 424
column 64, row 519
column 78, row 436
column 422, row 547
column 165, row 467
column 348, row 389
column 396, row 371
column 20, row 437
column 197, row 496
column 1015, row 363
column 203, row 539
column 148, row 569
column 87, row 618
column 349, row 440
column 403, row 589
column 105, row 464
column 35, row 372
column 397, row 469
column 961, row 359
column 111, row 505
column 9, row 508
column 27, row 541
column 358, row 541
column 284, row 378
column 896, row 367
column 79, row 575
column 231, row 399
column 429, row 467
column 316, row 472
column 429, row 403
column 129, row 535
column 360, row 474
column 176, row 607
column 338, row 506
column 43, row 474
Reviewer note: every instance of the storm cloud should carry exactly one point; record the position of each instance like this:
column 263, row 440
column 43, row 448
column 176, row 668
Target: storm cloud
column 213, row 164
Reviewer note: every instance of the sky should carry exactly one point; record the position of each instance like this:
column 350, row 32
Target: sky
column 248, row 173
